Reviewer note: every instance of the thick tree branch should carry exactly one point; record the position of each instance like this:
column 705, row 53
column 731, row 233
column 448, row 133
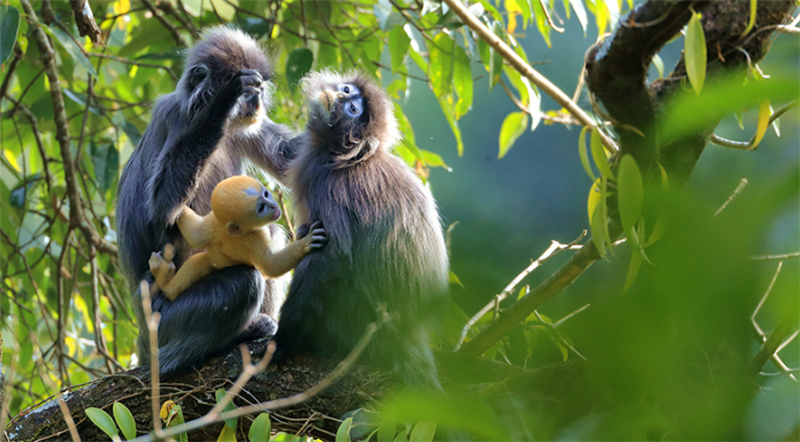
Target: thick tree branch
column 84, row 19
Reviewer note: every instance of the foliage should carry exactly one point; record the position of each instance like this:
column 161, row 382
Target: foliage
column 682, row 330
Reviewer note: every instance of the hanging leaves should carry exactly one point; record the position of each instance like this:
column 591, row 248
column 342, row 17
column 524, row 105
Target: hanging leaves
column 694, row 53
column 9, row 28
column 513, row 126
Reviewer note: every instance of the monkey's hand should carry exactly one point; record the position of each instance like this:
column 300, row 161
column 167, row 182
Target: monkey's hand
column 162, row 268
column 246, row 80
column 312, row 237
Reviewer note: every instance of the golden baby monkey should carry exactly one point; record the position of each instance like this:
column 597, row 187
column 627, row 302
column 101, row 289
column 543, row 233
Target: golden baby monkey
column 233, row 233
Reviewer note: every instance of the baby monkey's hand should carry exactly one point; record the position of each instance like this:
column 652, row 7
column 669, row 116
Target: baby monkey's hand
column 312, row 237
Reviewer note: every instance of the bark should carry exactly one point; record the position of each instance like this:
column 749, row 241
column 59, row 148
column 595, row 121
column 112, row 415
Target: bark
column 195, row 393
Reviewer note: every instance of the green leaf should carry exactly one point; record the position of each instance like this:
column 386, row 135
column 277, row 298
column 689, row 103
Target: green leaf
column 433, row 160
column 297, row 65
column 440, row 70
column 343, row 433
column 541, row 22
column 423, row 432
column 752, row 21
column 630, row 192
column 177, row 419
column 259, row 431
column 74, row 51
column 584, row 155
column 462, row 79
column 513, row 126
column 401, row 436
column 633, row 270
column 694, row 53
column 103, row 421
column 219, row 394
column 599, row 155
column 386, row 16
column 9, row 28
column 452, row 279
column 399, row 42
column 389, row 426
column 449, row 114
column 125, row 421
column 105, row 160
column 495, row 59
column 598, row 221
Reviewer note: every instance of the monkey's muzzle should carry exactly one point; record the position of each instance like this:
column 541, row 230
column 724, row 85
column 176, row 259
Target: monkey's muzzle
column 328, row 98
column 249, row 105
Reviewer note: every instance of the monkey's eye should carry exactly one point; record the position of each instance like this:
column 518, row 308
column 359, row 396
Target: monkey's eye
column 353, row 108
column 199, row 73
column 348, row 89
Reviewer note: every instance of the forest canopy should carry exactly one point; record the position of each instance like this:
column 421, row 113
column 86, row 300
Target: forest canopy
column 649, row 148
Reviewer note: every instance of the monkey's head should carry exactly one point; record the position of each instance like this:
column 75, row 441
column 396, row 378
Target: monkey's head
column 350, row 116
column 243, row 204
column 213, row 62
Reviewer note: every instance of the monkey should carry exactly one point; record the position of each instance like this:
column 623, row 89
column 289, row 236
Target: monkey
column 198, row 136
column 233, row 233
column 385, row 244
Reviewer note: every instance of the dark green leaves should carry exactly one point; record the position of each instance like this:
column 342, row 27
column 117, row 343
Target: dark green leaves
column 105, row 160
column 513, row 126
column 9, row 27
column 694, row 53
column 298, row 65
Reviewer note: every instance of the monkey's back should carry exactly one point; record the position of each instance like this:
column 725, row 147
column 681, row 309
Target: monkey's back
column 385, row 247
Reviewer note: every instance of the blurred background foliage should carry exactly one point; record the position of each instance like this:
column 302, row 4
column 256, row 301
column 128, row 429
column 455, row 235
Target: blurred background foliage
column 667, row 359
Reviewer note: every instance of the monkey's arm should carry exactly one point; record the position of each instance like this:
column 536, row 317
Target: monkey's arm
column 275, row 264
column 186, row 153
column 194, row 269
column 197, row 230
column 274, row 150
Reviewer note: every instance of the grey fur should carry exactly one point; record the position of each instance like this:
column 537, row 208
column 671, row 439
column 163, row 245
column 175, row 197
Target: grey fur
column 197, row 138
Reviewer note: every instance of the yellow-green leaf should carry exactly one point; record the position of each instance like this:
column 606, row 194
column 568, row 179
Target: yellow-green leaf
column 423, row 432
column 343, row 433
column 387, row 429
column 752, row 21
column 594, row 198
column 694, row 53
column 399, row 42
column 226, row 435
column 585, row 156
column 513, row 126
column 259, row 431
column 441, row 64
column 462, row 79
column 103, row 421
column 763, row 121
column 453, row 279
column 633, row 270
column 599, row 155
column 541, row 21
column 125, row 420
column 659, row 64
column 495, row 59
column 630, row 192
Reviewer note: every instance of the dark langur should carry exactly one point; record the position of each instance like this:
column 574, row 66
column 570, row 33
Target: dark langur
column 198, row 136
column 385, row 243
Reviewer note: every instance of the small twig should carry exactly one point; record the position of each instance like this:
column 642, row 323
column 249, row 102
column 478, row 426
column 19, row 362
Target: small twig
column 788, row 29
column 152, row 320
column 776, row 257
column 760, row 332
column 736, row 192
column 164, row 22
column 750, row 145
column 554, row 249
column 249, row 370
column 543, row 4
column 562, row 320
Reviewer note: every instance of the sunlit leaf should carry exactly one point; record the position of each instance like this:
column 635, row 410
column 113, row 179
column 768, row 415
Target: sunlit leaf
column 585, row 156
column 752, row 20
column 694, row 53
column 298, row 65
column 599, row 156
column 399, row 42
column 630, row 192
column 9, row 28
column 226, row 435
column 763, row 121
column 433, row 159
column 259, row 431
column 580, row 12
column 125, row 421
column 598, row 220
column 441, row 64
column 103, row 421
column 659, row 64
column 513, row 126
column 541, row 22
column 462, row 79
column 594, row 198
column 343, row 433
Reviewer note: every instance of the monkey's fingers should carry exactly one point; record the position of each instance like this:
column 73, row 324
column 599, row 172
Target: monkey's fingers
column 318, row 241
column 169, row 252
column 170, row 273
column 155, row 262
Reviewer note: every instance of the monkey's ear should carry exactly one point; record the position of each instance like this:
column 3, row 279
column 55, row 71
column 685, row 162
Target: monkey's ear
column 234, row 229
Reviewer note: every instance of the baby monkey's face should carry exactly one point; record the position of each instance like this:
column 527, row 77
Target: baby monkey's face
column 244, row 204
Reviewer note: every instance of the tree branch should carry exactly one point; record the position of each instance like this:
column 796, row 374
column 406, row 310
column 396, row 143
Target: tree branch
column 84, row 19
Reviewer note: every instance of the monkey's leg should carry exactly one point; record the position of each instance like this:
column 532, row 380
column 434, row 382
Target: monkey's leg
column 209, row 317
column 194, row 269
